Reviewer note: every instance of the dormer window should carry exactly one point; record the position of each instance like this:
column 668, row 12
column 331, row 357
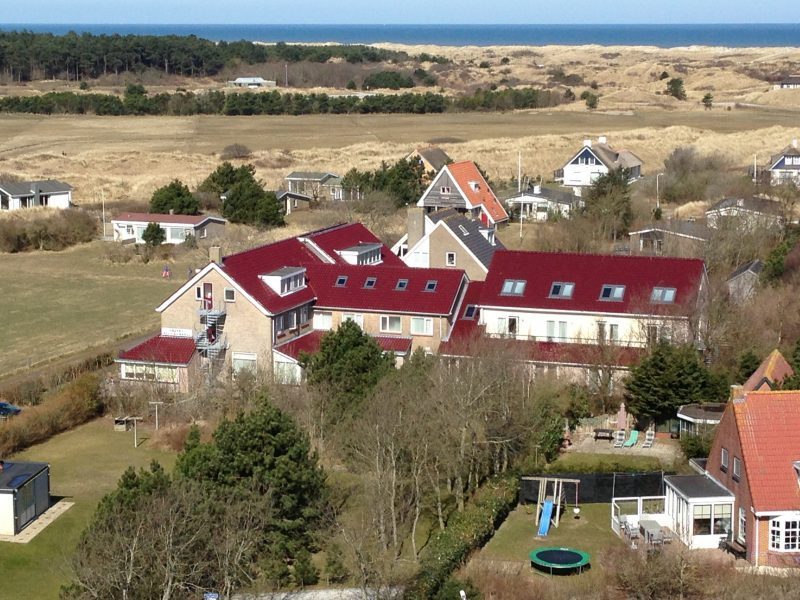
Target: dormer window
column 369, row 282
column 612, row 293
column 362, row 254
column 513, row 287
column 430, row 286
column 286, row 280
column 561, row 289
column 402, row 284
column 663, row 295
column 341, row 281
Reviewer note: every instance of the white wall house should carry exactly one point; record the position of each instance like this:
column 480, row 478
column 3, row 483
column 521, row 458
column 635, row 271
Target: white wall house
column 784, row 167
column 595, row 160
column 539, row 203
column 47, row 193
column 131, row 226
column 749, row 213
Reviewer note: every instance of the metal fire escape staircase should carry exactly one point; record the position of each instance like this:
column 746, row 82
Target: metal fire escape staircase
column 210, row 340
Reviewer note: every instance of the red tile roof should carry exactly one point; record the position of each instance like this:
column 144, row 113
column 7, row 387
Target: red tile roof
column 385, row 296
column 768, row 424
column 343, row 236
column 246, row 267
column 310, row 342
column 467, row 171
column 773, row 370
column 589, row 272
column 161, row 349
column 193, row 220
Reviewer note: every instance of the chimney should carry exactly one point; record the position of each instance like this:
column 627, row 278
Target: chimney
column 587, row 143
column 602, row 139
column 794, row 143
column 172, row 211
column 737, row 392
column 537, row 189
column 415, row 223
column 215, row 254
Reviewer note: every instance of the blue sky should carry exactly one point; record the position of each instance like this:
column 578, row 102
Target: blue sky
column 394, row 11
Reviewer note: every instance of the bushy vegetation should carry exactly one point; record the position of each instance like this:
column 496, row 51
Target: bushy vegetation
column 174, row 197
column 53, row 230
column 25, row 55
column 466, row 531
column 59, row 410
column 689, row 177
column 391, row 80
column 246, row 201
column 402, row 181
column 274, row 103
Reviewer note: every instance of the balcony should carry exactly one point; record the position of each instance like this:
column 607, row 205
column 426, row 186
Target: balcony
column 591, row 341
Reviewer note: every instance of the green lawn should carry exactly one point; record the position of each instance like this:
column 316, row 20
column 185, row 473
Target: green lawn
column 85, row 463
column 61, row 303
column 578, row 462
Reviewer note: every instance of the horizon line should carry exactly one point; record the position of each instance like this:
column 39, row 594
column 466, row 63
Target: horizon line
column 593, row 24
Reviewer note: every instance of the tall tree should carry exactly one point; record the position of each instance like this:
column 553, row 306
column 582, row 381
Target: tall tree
column 247, row 202
column 609, row 203
column 669, row 377
column 175, row 197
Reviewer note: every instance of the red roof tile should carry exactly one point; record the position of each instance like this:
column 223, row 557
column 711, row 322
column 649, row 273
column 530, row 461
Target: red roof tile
column 467, row 171
column 246, row 267
column 193, row 220
column 773, row 370
column 768, row 424
column 385, row 296
column 310, row 342
column 589, row 272
column 161, row 349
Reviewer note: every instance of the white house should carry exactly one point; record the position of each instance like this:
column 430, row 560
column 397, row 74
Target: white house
column 623, row 301
column 790, row 83
column 784, row 167
column 131, row 226
column 539, row 203
column 595, row 160
column 749, row 213
column 31, row 194
column 252, row 82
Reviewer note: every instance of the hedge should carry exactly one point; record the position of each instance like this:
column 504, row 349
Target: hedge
column 466, row 531
column 62, row 409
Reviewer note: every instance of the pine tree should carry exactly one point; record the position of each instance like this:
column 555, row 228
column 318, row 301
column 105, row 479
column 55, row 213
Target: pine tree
column 305, row 573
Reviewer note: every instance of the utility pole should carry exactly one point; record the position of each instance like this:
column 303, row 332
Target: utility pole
column 156, row 403
column 135, row 431
column 658, row 200
column 286, row 76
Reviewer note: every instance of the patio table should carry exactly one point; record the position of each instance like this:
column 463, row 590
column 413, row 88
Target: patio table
column 651, row 530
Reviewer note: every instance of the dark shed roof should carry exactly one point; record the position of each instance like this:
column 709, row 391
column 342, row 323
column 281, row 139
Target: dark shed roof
column 16, row 474
column 697, row 486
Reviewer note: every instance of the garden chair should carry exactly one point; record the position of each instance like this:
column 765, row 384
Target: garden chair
column 649, row 438
column 619, row 438
column 632, row 439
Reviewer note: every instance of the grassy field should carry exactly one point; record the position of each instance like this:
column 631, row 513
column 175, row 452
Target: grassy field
column 85, row 464
column 60, row 303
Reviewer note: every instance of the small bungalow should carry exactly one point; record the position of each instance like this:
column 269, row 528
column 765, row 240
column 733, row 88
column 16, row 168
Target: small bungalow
column 671, row 238
column 252, row 82
column 24, row 494
column 540, row 203
column 594, row 160
column 789, row 83
column 696, row 419
column 169, row 359
column 293, row 201
column 319, row 186
column 31, row 194
column 748, row 212
column 129, row 227
column 743, row 281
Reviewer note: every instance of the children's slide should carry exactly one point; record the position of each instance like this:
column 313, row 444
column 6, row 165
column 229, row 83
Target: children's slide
column 547, row 514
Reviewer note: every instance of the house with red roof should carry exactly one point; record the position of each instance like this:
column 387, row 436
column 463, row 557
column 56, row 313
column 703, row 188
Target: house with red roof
column 260, row 308
column 581, row 315
column 756, row 458
column 129, row 227
column 461, row 186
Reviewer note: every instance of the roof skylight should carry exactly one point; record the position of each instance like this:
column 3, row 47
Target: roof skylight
column 561, row 289
column 612, row 293
column 513, row 287
column 341, row 281
column 663, row 295
column 430, row 286
column 370, row 282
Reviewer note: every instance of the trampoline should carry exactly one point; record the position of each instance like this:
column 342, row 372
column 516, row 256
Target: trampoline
column 559, row 561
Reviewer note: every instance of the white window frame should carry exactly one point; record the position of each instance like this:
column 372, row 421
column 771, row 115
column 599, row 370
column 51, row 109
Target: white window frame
column 386, row 324
column 445, row 189
column 229, row 294
column 663, row 295
column 565, row 290
column 616, row 293
column 724, row 459
column 737, row 468
column 357, row 318
column 450, row 259
column 513, row 287
column 243, row 357
column 741, row 530
column 323, row 320
column 784, row 534
column 427, row 326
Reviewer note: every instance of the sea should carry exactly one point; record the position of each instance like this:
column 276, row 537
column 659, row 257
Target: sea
column 665, row 36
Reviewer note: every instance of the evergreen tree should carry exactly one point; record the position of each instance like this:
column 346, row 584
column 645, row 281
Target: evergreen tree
column 335, row 571
column 347, row 366
column 675, row 88
column 247, row 202
column 748, row 363
column 609, row 202
column 153, row 235
column 708, row 101
column 175, row 197
column 226, row 176
column 669, row 377
column 305, row 573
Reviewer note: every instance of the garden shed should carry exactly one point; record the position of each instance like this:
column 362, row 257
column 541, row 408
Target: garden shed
column 24, row 494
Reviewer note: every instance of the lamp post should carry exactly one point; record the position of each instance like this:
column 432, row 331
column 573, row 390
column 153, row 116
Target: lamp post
column 658, row 200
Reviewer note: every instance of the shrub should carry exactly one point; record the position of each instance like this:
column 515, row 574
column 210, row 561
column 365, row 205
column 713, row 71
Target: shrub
column 235, row 151
column 62, row 409
column 387, row 79
column 351, row 85
column 54, row 230
column 175, row 197
column 697, row 446
column 154, row 235
column 305, row 573
column 484, row 64
column 466, row 531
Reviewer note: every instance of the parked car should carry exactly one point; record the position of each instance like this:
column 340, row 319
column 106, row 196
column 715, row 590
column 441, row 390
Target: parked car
column 8, row 410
